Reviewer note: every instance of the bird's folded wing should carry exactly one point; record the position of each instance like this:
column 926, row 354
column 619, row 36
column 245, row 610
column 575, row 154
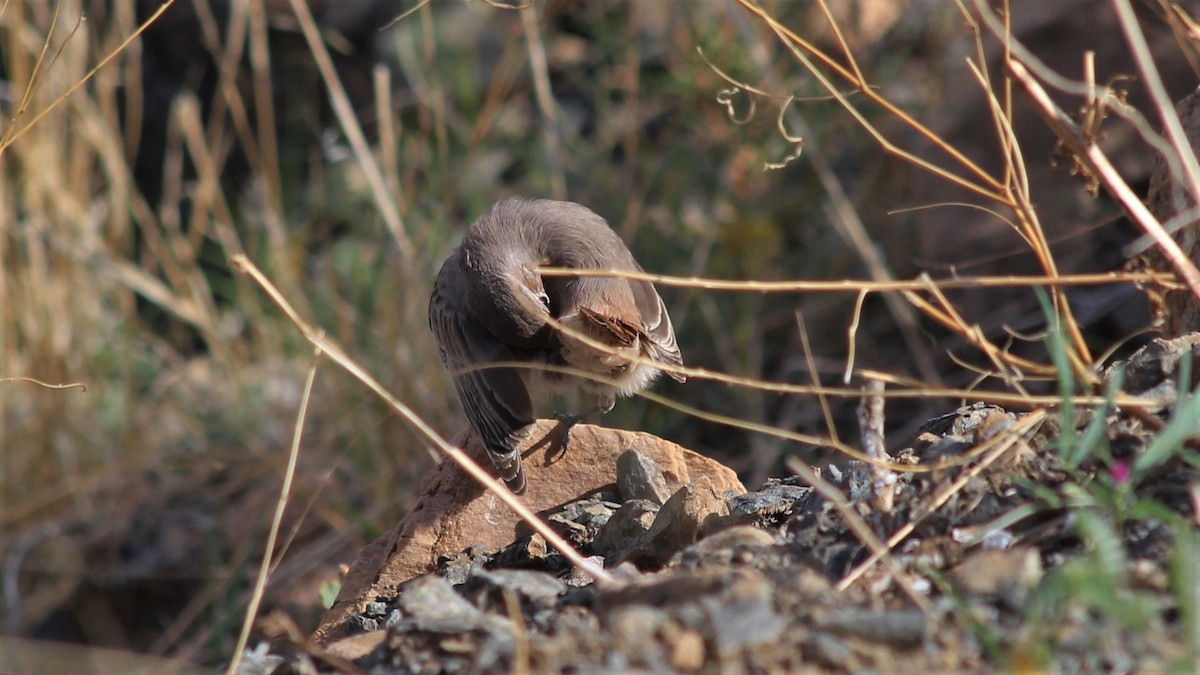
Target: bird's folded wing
column 657, row 325
column 495, row 400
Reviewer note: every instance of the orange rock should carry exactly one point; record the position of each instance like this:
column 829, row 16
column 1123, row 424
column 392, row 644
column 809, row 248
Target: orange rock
column 453, row 512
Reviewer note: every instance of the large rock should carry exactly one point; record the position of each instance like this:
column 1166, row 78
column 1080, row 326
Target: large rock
column 453, row 512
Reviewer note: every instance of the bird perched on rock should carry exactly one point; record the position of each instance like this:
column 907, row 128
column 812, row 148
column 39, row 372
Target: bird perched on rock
column 490, row 304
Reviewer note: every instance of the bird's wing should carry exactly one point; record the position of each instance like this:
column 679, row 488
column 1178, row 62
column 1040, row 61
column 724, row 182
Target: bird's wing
column 495, row 400
column 656, row 323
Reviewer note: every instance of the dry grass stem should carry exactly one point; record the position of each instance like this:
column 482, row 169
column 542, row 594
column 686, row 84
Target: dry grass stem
column 850, row 451
column 946, row 314
column 389, row 140
column 545, row 99
column 130, row 198
column 1187, row 33
column 915, row 390
column 512, row 605
column 815, row 376
column 285, row 491
column 350, row 126
column 852, row 337
column 1018, row 197
column 848, row 53
column 1001, row 358
column 264, row 108
column 870, row 286
column 47, row 385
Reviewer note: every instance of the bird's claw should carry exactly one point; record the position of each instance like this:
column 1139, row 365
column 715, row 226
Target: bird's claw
column 566, row 422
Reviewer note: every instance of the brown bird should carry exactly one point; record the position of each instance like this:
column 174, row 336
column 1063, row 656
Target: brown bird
column 490, row 304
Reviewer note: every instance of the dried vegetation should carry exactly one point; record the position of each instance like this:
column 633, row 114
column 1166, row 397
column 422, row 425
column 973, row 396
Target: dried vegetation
column 906, row 144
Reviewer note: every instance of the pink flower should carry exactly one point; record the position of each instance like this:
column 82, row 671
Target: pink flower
column 1120, row 471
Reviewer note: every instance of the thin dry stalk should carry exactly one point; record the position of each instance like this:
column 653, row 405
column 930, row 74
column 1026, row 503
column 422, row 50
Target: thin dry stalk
column 38, row 70
column 1186, row 30
column 830, row 443
column 264, row 107
column 545, row 98
column 870, row 286
column 913, row 390
column 208, row 198
column 852, row 337
column 815, row 376
column 47, row 385
column 389, row 139
column 285, row 490
column 151, row 288
column 841, row 40
column 1017, row 197
column 948, row 315
column 342, row 108
column 1028, row 225
column 923, row 391
column 520, row 633
column 228, row 52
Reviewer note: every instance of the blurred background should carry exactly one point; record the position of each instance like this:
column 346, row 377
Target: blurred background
column 133, row 507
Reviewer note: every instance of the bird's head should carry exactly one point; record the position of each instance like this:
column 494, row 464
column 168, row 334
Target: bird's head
column 529, row 291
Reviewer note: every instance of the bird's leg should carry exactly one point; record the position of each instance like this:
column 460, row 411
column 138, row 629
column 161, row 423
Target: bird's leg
column 567, row 421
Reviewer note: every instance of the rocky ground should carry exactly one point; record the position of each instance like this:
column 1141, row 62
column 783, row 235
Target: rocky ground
column 1024, row 551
